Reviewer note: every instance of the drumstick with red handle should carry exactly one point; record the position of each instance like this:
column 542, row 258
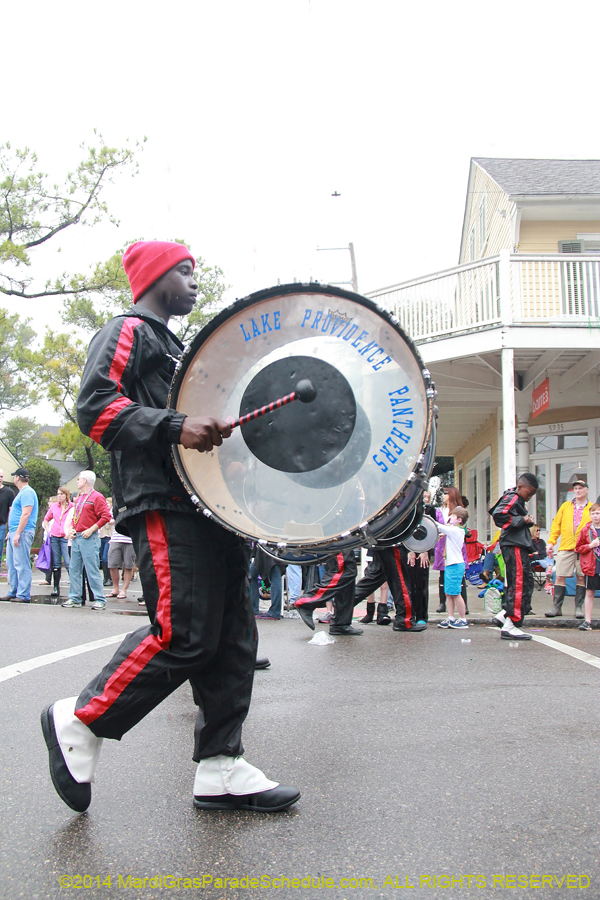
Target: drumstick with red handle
column 305, row 392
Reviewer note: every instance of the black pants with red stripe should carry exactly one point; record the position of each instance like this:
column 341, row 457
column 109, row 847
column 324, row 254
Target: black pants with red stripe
column 390, row 564
column 373, row 578
column 519, row 583
column 418, row 576
column 394, row 562
column 337, row 585
column 194, row 579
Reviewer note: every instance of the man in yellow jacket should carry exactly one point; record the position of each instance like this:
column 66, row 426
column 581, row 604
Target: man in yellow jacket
column 567, row 524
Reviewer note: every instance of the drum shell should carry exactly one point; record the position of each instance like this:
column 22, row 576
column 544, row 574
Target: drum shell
column 393, row 518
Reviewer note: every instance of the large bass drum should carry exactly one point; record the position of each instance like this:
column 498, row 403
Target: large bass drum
column 309, row 478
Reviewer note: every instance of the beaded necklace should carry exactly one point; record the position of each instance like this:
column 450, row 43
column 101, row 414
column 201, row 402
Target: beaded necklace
column 79, row 507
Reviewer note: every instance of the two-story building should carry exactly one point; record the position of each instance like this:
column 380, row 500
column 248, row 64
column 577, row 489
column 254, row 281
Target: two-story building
column 512, row 334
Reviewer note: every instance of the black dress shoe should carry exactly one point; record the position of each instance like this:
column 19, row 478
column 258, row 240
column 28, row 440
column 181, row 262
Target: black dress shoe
column 275, row 800
column 441, row 608
column 306, row 615
column 344, row 629
column 263, row 662
column 415, row 626
column 77, row 796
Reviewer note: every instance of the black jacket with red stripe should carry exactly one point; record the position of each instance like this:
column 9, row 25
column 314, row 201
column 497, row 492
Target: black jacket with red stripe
column 509, row 515
column 122, row 406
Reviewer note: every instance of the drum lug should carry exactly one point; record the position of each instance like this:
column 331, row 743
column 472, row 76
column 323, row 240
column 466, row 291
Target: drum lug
column 367, row 534
column 431, row 391
column 207, row 513
column 426, row 374
column 195, row 500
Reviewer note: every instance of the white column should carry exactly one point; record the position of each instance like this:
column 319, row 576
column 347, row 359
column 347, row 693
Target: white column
column 522, row 446
column 508, row 419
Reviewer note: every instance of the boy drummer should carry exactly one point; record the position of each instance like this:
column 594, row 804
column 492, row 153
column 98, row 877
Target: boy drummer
column 193, row 572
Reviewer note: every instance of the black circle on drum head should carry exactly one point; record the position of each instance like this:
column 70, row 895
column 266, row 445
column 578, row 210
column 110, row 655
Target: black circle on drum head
column 299, row 437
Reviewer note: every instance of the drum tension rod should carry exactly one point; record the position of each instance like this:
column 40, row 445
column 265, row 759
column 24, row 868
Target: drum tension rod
column 367, row 534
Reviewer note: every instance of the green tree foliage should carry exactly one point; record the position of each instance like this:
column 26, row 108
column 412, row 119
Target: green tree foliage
column 19, row 436
column 34, row 211
column 16, row 336
column 71, row 443
column 57, row 368
column 45, row 480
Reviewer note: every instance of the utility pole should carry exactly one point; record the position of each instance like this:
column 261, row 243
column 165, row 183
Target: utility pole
column 354, row 281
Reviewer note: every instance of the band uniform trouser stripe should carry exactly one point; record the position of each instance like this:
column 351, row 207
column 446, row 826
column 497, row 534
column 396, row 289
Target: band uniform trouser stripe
column 338, row 585
column 194, row 581
column 519, row 583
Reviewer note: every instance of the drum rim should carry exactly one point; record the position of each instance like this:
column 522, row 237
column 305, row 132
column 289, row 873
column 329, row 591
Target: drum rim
column 189, row 354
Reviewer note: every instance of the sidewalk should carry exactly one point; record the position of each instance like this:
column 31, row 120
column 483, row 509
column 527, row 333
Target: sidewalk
column 541, row 601
column 40, row 594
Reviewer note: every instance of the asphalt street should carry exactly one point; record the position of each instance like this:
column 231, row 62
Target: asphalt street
column 420, row 758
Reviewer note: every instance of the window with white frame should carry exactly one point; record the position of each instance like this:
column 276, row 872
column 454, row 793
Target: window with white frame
column 561, row 453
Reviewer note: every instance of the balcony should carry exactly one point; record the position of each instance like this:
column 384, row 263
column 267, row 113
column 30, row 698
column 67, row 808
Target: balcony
column 504, row 290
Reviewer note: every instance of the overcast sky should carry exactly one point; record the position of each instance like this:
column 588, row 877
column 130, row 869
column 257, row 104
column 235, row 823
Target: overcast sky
column 257, row 111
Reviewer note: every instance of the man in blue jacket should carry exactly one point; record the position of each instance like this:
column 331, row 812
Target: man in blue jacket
column 193, row 572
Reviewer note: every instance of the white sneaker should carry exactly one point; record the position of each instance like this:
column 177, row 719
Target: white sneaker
column 499, row 619
column 510, row 632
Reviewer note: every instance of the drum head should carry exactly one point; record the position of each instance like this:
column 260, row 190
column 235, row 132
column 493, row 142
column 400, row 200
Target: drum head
column 309, row 472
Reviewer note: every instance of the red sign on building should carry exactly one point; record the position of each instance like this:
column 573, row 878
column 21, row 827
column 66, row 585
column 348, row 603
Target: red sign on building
column 541, row 398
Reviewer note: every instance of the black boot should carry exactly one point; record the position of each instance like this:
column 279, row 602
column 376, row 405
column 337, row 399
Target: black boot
column 106, row 573
column 382, row 614
column 370, row 614
column 559, row 596
column 442, row 607
column 579, row 601
column 55, row 592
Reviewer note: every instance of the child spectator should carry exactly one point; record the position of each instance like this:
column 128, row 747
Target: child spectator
column 588, row 547
column 455, row 567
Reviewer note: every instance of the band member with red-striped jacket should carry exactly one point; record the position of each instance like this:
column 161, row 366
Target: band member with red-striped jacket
column 337, row 584
column 193, row 572
column 511, row 516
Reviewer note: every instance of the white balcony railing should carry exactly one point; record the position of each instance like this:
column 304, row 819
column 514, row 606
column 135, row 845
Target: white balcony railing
column 505, row 289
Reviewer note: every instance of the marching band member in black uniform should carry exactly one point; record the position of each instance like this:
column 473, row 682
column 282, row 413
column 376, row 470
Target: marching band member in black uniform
column 393, row 562
column 193, row 572
column 338, row 585
column 373, row 578
column 390, row 564
column 511, row 516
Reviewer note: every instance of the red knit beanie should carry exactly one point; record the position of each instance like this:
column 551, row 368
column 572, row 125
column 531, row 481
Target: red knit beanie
column 145, row 262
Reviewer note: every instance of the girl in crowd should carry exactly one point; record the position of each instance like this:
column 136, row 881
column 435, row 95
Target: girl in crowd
column 59, row 543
